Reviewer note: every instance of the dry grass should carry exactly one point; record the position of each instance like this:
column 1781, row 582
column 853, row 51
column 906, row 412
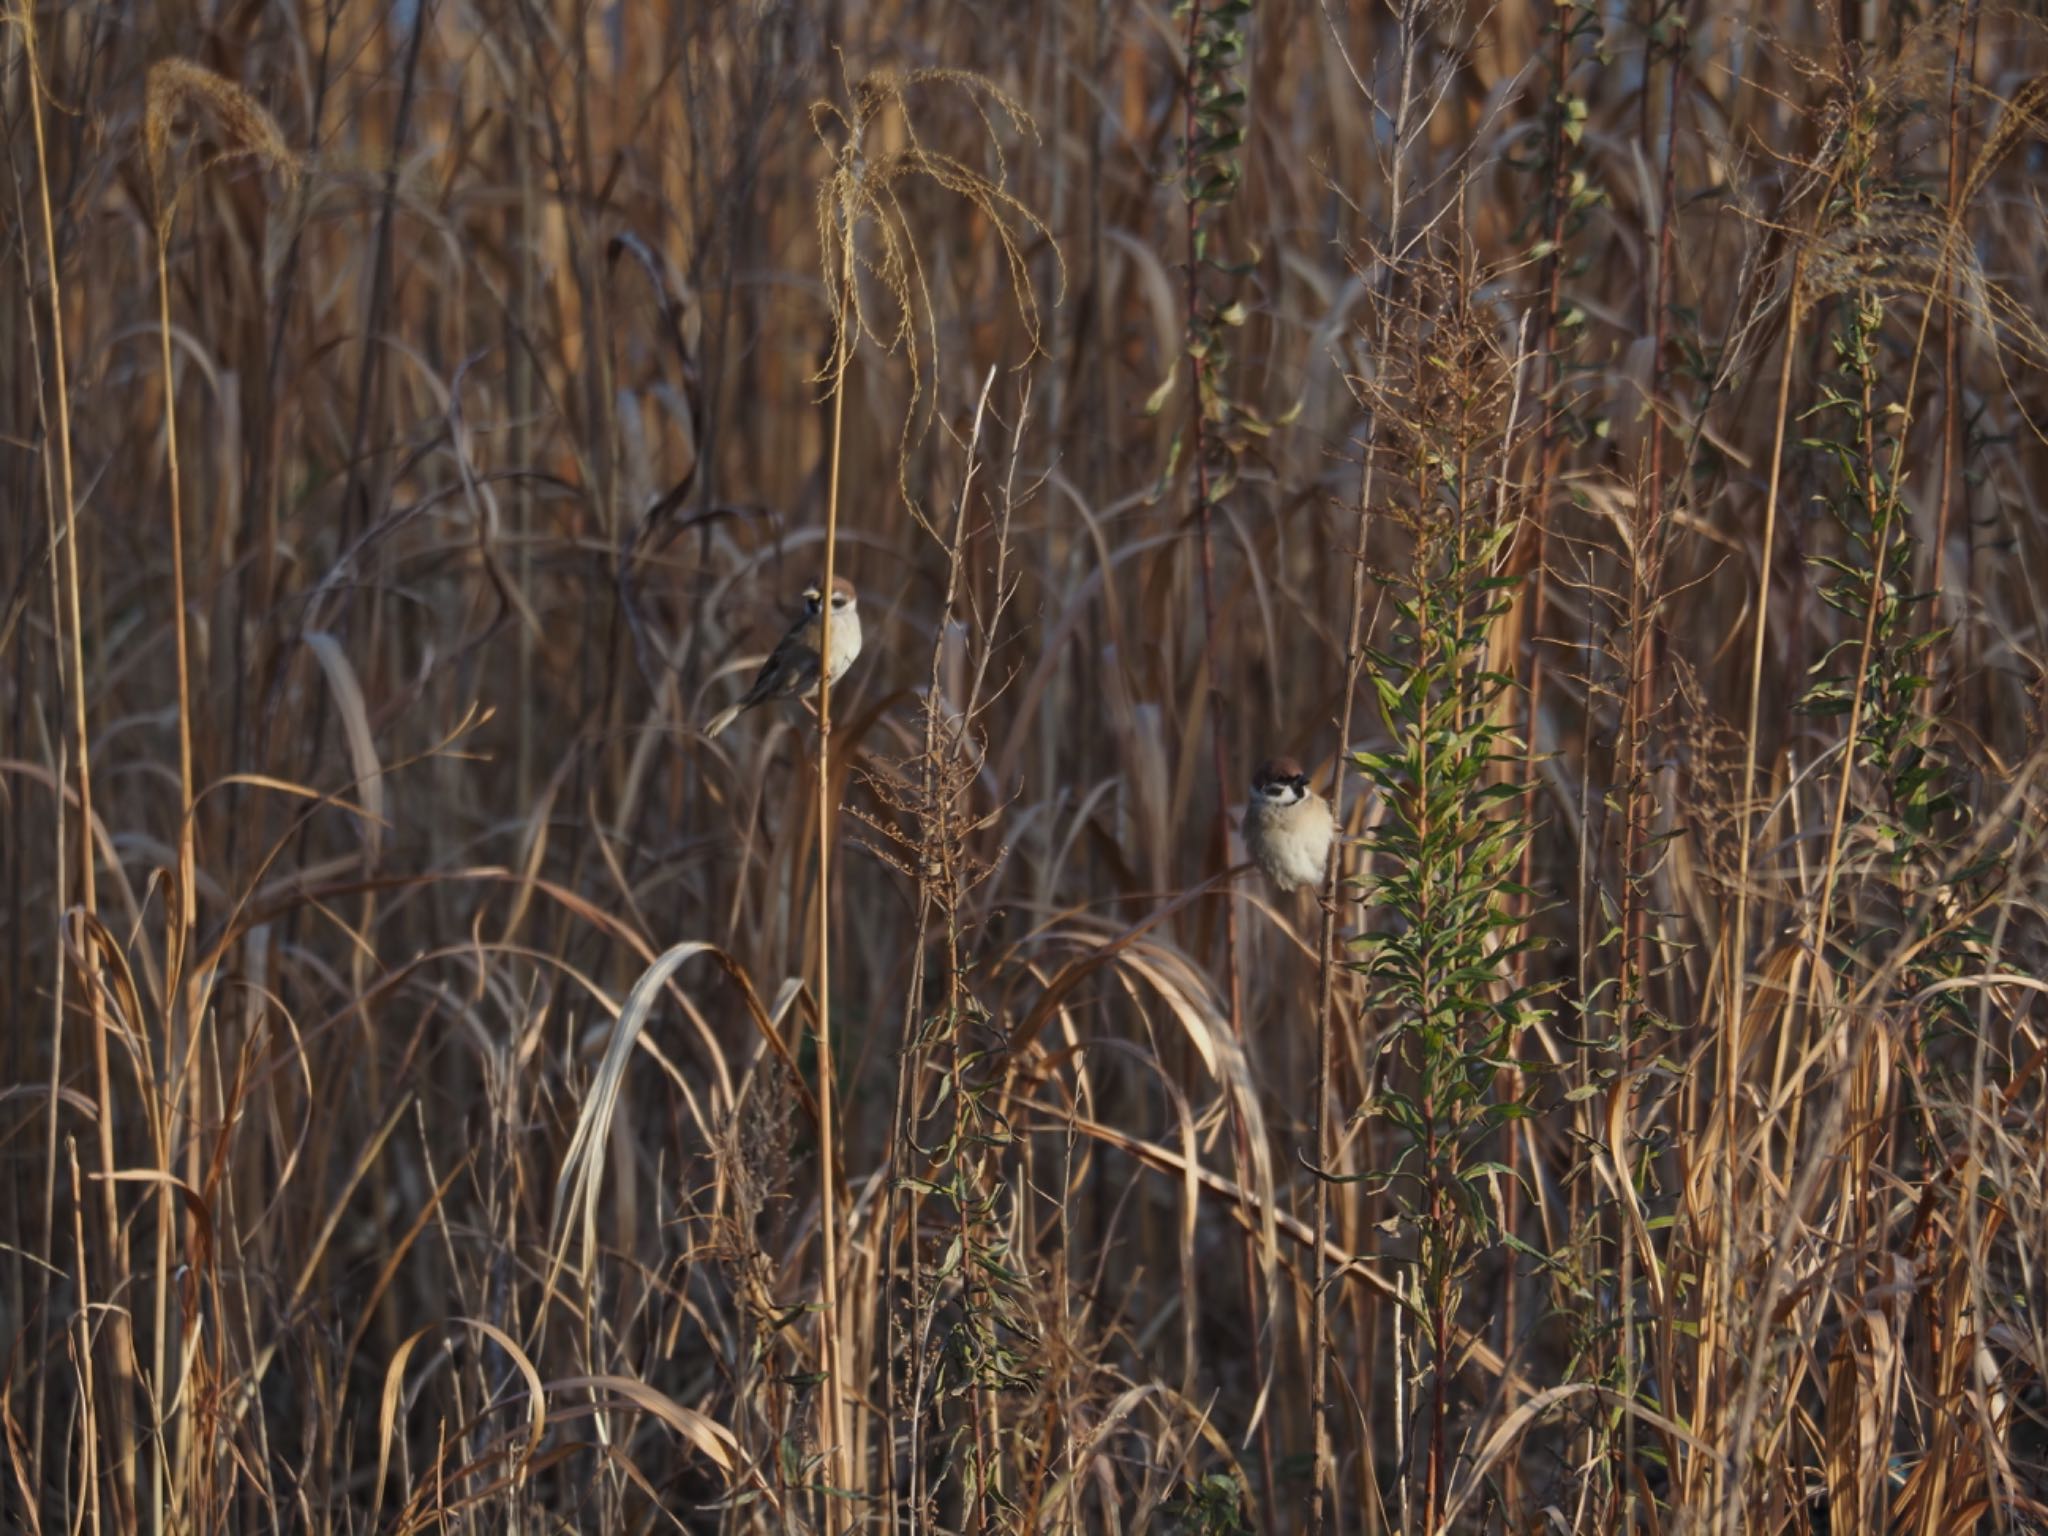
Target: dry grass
column 419, row 1106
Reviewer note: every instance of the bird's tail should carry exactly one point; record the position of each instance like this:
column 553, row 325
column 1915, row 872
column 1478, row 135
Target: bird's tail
column 722, row 719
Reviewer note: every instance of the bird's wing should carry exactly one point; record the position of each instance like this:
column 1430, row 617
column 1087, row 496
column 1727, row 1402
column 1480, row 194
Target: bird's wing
column 791, row 668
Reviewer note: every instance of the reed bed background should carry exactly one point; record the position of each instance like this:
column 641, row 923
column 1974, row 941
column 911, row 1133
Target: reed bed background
column 1604, row 438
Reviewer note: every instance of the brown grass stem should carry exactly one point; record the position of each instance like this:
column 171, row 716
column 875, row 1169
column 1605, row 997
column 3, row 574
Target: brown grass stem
column 833, row 1401
column 1736, row 941
column 87, row 951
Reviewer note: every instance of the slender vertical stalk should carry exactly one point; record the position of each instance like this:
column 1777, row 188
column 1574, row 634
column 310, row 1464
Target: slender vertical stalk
column 88, row 1401
column 182, row 649
column 355, row 502
column 1548, row 456
column 832, row 1401
column 1737, row 939
column 1204, row 508
column 1326, row 1005
column 1219, row 755
column 938, row 806
column 120, row 1330
column 519, row 363
column 60, row 895
column 179, row 1000
column 1953, row 325
column 1646, row 565
column 1645, row 582
column 1323, row 1477
column 1433, row 1271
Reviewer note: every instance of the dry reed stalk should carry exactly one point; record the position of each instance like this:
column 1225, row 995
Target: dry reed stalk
column 1549, row 452
column 1736, row 942
column 832, row 1403
column 942, row 739
column 1962, row 72
column 174, row 85
column 180, row 986
column 1389, row 260
column 87, row 955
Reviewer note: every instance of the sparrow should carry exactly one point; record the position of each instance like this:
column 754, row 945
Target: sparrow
column 1288, row 826
column 792, row 667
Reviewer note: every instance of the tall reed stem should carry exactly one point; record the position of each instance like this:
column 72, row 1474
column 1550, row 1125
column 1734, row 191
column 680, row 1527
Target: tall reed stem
column 178, row 997
column 1962, row 67
column 1737, row 939
column 120, row 1331
column 832, row 1401
column 1322, row 1483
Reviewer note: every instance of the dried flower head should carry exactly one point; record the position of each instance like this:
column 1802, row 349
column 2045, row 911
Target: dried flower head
column 862, row 188
column 245, row 129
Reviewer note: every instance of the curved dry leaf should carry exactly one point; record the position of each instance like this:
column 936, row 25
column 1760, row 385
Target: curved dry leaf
column 705, row 1433
column 582, row 1175
column 1188, row 996
column 394, row 1382
column 355, row 723
column 1080, row 1462
column 194, row 1202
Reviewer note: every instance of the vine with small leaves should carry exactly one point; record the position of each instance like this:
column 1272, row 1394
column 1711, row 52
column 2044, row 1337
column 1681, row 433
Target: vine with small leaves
column 1897, row 800
column 1568, row 198
column 1221, row 429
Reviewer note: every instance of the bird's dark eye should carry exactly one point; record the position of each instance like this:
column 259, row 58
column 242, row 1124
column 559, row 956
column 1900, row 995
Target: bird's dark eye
column 1300, row 782
column 840, row 599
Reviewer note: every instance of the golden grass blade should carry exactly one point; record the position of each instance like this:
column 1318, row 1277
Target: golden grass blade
column 394, row 1386
column 574, row 1215
column 711, row 1438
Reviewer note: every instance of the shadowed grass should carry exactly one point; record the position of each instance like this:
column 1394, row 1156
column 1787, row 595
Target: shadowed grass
column 446, row 1091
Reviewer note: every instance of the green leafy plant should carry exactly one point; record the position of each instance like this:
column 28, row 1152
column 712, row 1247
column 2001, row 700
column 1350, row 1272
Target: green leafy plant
column 1443, row 965
column 1213, row 1506
column 1896, row 808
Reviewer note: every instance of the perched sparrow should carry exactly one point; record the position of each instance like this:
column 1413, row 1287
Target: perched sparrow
column 792, row 667
column 1288, row 826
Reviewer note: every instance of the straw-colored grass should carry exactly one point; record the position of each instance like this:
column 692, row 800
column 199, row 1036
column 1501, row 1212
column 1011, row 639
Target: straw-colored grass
column 443, row 1090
